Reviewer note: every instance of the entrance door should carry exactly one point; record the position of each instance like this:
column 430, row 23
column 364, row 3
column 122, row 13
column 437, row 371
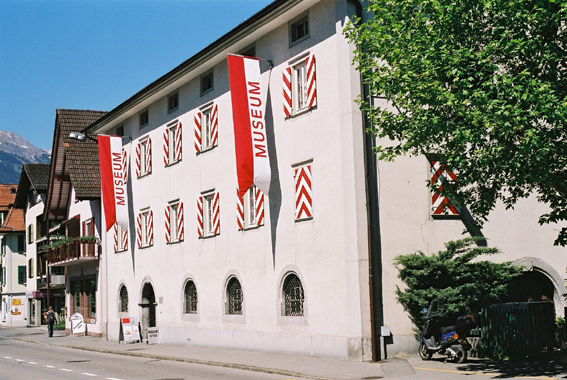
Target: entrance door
column 148, row 306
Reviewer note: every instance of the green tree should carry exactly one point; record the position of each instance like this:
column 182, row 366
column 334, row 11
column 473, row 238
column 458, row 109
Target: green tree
column 451, row 278
column 481, row 84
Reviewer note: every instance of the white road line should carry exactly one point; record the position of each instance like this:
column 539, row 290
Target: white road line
column 65, row 369
column 112, row 378
column 19, row 360
column 88, row 374
column 32, row 363
column 7, row 357
column 50, row 366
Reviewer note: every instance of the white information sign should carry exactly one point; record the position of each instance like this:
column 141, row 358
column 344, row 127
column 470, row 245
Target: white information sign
column 130, row 330
column 153, row 335
column 77, row 324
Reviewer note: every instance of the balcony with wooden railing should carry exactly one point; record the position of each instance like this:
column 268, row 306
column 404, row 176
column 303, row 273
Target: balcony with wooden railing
column 73, row 251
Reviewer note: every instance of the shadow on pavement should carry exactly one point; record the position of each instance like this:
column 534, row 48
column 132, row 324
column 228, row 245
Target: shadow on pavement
column 516, row 368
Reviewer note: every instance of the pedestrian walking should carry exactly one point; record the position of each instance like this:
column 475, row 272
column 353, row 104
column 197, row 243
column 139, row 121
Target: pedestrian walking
column 50, row 316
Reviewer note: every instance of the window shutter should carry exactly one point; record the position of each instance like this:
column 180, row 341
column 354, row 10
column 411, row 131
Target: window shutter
column 311, row 82
column 115, row 237
column 287, row 103
column 125, row 239
column 198, row 132
column 303, row 193
column 138, row 168
column 440, row 205
column 239, row 210
column 149, row 155
column 214, row 125
column 259, row 212
column 84, row 228
column 166, row 146
column 139, row 230
column 180, row 230
column 200, row 216
column 125, row 164
column 167, row 221
column 178, row 145
column 150, row 229
column 216, row 213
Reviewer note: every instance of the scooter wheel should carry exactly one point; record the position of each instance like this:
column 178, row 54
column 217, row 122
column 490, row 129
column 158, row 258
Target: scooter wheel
column 424, row 353
column 461, row 356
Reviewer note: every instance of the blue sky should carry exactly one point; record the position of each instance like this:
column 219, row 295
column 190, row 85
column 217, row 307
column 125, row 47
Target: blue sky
column 95, row 54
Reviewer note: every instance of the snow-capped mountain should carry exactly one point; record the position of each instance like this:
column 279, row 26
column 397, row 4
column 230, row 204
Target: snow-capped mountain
column 16, row 151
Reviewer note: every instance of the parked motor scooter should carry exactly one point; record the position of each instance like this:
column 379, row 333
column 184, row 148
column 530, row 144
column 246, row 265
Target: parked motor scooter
column 445, row 340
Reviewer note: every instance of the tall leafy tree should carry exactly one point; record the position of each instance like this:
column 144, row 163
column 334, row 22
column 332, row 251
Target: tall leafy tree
column 481, row 84
column 451, row 278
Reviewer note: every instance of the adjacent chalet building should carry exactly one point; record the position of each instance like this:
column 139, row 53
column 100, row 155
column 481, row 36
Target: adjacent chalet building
column 30, row 198
column 12, row 259
column 72, row 214
column 287, row 271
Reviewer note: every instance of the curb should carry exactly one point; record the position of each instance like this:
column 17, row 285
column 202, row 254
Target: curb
column 187, row 360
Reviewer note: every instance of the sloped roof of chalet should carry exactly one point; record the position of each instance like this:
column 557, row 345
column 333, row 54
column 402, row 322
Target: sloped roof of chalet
column 252, row 24
column 7, row 196
column 34, row 176
column 60, row 173
column 84, row 168
column 14, row 221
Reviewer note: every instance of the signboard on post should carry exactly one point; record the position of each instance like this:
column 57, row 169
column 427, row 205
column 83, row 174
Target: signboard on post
column 77, row 324
column 153, row 335
column 130, row 330
column 16, row 306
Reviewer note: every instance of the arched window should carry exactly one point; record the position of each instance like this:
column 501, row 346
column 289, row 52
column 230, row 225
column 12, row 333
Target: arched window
column 123, row 299
column 190, row 299
column 234, row 296
column 293, row 296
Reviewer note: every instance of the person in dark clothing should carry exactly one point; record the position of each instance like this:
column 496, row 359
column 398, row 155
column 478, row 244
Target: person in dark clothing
column 50, row 316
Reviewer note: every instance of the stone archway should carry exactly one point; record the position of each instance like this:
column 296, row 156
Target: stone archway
column 539, row 282
column 148, row 306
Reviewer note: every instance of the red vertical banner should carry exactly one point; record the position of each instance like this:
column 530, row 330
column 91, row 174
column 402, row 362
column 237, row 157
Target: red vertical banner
column 113, row 181
column 248, row 109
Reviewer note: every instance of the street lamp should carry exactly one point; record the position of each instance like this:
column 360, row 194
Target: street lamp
column 81, row 136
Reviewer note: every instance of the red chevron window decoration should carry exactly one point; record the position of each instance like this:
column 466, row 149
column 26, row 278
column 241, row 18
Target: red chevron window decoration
column 206, row 128
column 174, row 222
column 303, row 193
column 440, row 205
column 208, row 214
column 145, row 229
column 250, row 208
column 125, row 164
column 120, row 238
column 144, row 158
column 299, row 87
column 172, row 144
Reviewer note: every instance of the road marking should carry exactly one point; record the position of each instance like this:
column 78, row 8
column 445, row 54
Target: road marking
column 50, row 366
column 88, row 374
column 32, row 363
column 493, row 374
column 65, row 369
column 7, row 357
column 112, row 378
column 19, row 360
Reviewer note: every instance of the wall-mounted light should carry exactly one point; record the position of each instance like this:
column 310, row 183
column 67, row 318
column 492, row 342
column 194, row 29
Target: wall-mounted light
column 81, row 136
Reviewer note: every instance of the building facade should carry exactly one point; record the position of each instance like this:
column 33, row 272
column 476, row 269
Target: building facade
column 287, row 271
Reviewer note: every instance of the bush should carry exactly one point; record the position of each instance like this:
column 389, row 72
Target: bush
column 461, row 286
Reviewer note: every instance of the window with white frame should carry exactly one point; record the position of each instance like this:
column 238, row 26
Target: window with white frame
column 206, row 128
column 174, row 222
column 123, row 307
column 172, row 144
column 208, row 214
column 299, row 30
column 144, row 227
column 144, row 157
column 299, row 86
column 144, row 118
column 120, row 238
column 251, row 208
column 30, row 233
column 173, row 102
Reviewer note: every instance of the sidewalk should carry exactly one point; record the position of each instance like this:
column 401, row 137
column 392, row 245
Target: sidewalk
column 289, row 365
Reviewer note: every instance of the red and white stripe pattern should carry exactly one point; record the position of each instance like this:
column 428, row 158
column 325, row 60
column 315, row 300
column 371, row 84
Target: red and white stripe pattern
column 125, row 164
column 440, row 205
column 198, row 118
column 311, row 82
column 139, row 230
column 174, row 132
column 200, row 227
column 120, row 244
column 259, row 211
column 138, row 168
column 214, row 125
column 216, row 214
column 144, row 151
column 287, row 97
column 239, row 210
column 214, row 204
column 148, row 240
column 169, row 238
column 303, row 193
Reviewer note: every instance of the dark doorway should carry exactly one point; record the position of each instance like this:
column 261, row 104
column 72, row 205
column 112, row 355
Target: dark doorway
column 531, row 286
column 148, row 306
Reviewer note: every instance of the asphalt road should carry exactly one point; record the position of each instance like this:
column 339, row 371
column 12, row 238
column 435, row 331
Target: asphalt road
column 22, row 360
